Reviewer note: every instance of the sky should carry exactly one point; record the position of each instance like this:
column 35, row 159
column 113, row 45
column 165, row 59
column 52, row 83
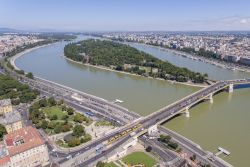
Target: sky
column 126, row 15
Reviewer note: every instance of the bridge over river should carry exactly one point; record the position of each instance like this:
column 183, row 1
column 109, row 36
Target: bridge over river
column 169, row 112
column 103, row 107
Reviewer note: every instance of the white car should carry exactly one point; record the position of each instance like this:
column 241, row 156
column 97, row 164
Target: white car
column 69, row 157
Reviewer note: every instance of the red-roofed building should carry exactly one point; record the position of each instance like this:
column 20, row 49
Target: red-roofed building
column 25, row 147
column 5, row 161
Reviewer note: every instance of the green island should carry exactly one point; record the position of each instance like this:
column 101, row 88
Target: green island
column 121, row 57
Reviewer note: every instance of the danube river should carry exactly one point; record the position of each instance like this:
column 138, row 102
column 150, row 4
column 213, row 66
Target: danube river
column 224, row 123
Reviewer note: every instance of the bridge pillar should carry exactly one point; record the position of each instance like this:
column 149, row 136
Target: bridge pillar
column 230, row 88
column 187, row 114
column 153, row 131
column 211, row 98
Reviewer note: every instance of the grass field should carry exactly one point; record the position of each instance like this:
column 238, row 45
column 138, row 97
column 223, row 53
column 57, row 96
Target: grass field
column 139, row 158
column 111, row 164
column 103, row 123
column 55, row 110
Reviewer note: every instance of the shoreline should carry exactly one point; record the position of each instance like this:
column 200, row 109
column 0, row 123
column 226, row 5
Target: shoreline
column 216, row 63
column 18, row 55
column 127, row 73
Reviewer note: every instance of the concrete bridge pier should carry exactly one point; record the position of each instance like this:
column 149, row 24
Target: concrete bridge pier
column 211, row 98
column 230, row 88
column 186, row 112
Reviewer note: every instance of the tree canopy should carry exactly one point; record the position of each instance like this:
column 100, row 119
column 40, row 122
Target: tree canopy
column 116, row 55
column 16, row 91
column 2, row 131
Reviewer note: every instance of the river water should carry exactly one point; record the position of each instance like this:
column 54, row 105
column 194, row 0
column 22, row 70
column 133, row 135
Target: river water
column 224, row 123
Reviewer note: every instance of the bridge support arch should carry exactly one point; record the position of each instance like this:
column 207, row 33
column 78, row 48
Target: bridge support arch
column 230, row 88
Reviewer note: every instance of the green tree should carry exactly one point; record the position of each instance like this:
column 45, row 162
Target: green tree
column 64, row 108
column 51, row 101
column 66, row 128
column 51, row 125
column 149, row 149
column 79, row 118
column 44, row 124
column 74, row 142
column 86, row 138
column 53, row 117
column 57, row 129
column 165, row 138
column 43, row 103
column 193, row 157
column 30, row 75
column 173, row 145
column 2, row 131
column 65, row 117
column 78, row 131
column 70, row 111
column 60, row 102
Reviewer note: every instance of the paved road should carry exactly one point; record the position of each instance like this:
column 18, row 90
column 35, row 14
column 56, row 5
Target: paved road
column 192, row 148
column 166, row 155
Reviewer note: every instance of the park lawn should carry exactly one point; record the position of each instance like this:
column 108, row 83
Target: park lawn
column 103, row 123
column 111, row 164
column 139, row 158
column 55, row 110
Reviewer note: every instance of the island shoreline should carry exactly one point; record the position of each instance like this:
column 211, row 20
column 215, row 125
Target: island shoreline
column 127, row 73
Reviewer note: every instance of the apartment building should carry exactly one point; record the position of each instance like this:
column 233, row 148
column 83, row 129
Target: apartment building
column 5, row 106
column 12, row 121
column 24, row 148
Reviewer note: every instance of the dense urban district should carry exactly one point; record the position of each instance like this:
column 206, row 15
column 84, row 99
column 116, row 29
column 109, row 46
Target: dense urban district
column 229, row 48
column 123, row 57
column 43, row 123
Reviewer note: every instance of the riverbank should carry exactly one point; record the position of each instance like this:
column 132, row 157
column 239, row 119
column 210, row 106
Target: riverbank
column 13, row 58
column 225, row 65
column 127, row 73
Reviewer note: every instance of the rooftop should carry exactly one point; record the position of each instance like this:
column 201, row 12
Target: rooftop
column 4, row 160
column 10, row 117
column 4, row 157
column 22, row 140
column 5, row 102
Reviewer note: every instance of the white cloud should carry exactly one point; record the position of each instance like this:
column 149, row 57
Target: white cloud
column 243, row 21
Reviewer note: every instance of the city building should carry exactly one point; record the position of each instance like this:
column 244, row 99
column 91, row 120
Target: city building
column 9, row 42
column 5, row 106
column 24, row 148
column 229, row 47
column 12, row 121
column 4, row 158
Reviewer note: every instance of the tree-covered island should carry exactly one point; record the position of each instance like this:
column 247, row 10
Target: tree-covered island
column 125, row 58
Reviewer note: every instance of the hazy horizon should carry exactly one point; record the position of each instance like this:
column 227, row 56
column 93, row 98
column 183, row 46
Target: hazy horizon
column 129, row 15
